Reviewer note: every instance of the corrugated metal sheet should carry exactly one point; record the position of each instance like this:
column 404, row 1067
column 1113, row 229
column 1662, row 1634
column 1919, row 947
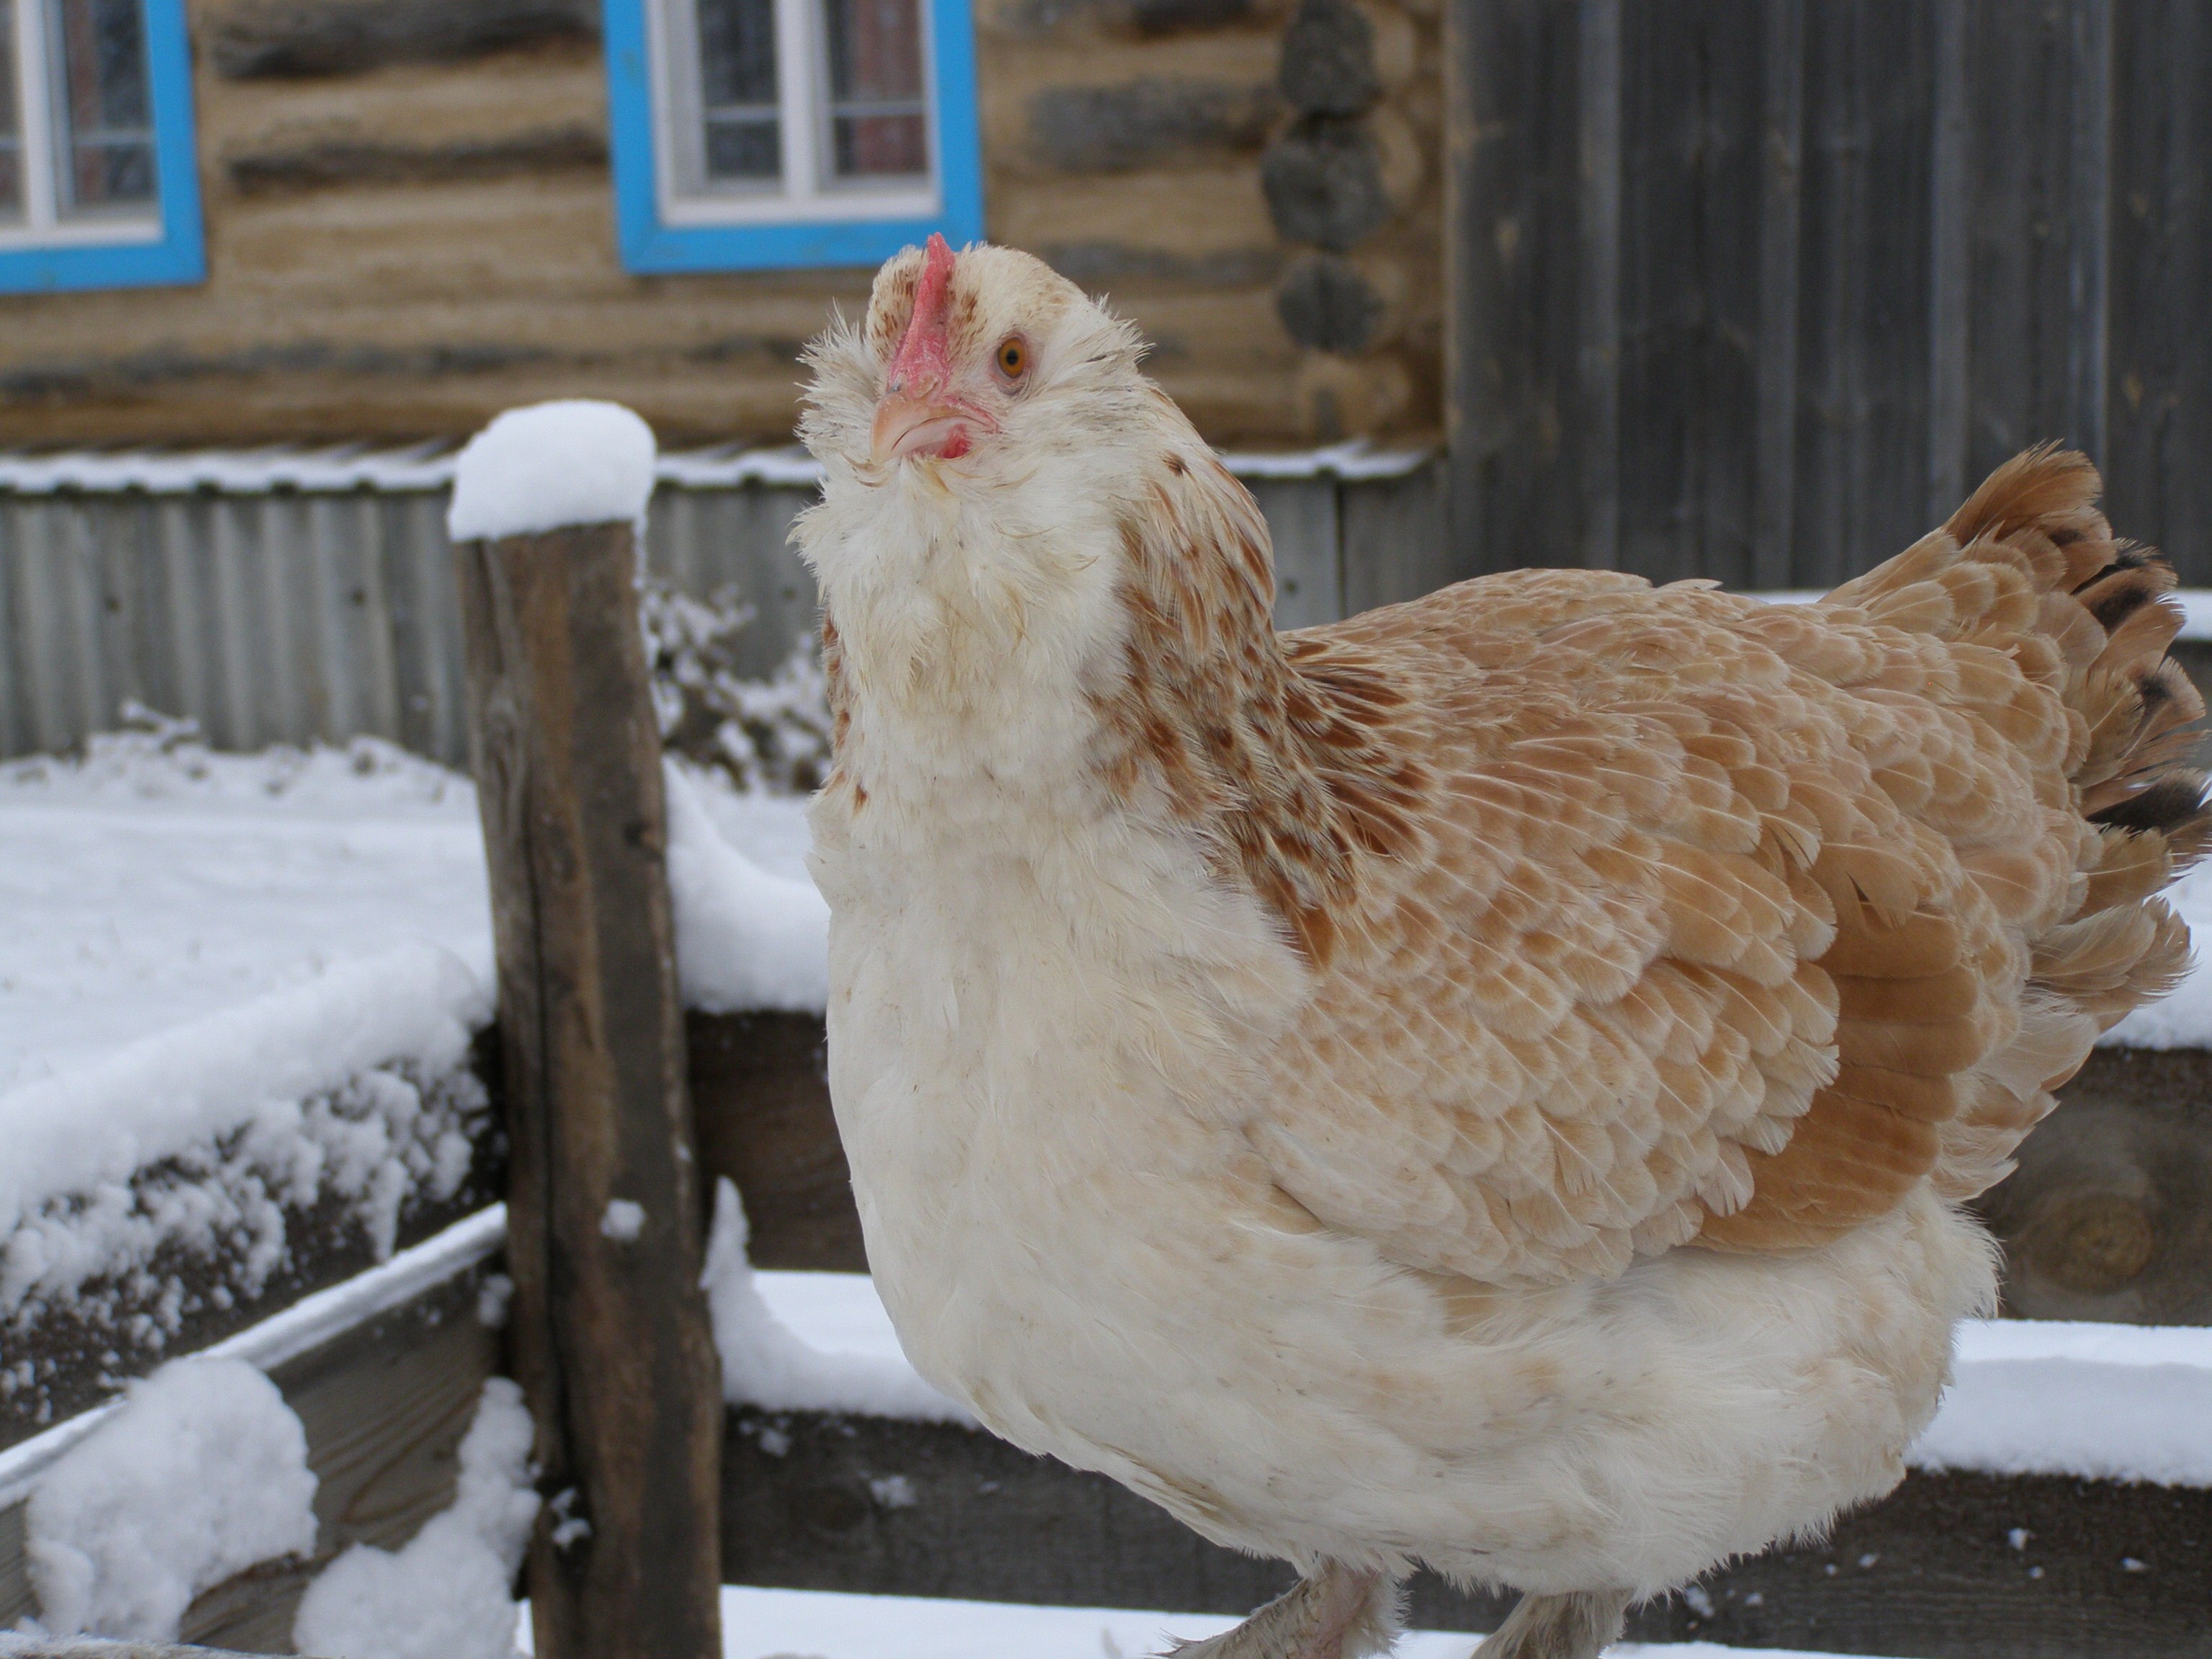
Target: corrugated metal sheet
column 283, row 596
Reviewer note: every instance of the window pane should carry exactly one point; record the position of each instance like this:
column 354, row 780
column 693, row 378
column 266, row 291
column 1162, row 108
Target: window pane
column 105, row 110
column 877, row 124
column 11, row 139
column 736, row 88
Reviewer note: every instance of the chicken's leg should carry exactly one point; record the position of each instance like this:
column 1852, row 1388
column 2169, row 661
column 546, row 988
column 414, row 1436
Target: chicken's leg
column 1335, row 1612
column 1577, row 1626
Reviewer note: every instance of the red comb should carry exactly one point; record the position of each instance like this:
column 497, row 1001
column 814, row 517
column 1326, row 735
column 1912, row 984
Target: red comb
column 925, row 355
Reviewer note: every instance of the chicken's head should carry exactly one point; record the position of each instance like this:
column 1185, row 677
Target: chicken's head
column 963, row 357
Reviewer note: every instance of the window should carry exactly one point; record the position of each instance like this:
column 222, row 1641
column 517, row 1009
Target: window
column 756, row 133
column 97, row 186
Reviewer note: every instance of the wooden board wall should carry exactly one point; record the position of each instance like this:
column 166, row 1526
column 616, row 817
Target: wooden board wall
column 1756, row 289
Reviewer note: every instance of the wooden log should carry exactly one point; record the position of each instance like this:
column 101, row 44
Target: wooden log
column 1951, row 1566
column 2109, row 1216
column 286, row 39
column 610, row 1337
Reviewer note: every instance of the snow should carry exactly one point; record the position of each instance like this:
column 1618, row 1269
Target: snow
column 235, row 986
column 2184, row 1020
column 849, row 1363
column 201, row 1472
column 251, row 1066
column 155, row 882
column 307, row 1323
column 624, row 1221
column 447, row 1593
column 786, row 1624
column 2115, row 1403
column 745, row 937
column 425, row 467
column 573, row 461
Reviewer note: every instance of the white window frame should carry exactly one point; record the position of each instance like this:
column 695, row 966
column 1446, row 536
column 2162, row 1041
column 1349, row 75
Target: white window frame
column 808, row 192
column 38, row 149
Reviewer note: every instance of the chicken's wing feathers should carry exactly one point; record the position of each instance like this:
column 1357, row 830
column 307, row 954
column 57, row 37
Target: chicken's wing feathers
column 1638, row 916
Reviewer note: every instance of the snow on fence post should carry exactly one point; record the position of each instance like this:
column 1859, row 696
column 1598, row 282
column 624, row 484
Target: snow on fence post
column 610, row 1328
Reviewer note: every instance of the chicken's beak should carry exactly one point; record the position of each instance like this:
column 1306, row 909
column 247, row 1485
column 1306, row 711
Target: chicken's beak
column 910, row 425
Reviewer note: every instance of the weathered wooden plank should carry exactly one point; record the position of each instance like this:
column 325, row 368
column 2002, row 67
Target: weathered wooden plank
column 760, row 1097
column 823, row 1503
column 1598, row 268
column 1781, row 190
column 1302, row 519
column 332, row 163
column 1690, row 304
column 2089, row 186
column 1864, row 353
column 1395, row 546
column 1513, row 335
column 385, row 1405
column 770, row 575
column 2020, row 305
column 611, row 1337
column 1950, row 222
column 2159, row 419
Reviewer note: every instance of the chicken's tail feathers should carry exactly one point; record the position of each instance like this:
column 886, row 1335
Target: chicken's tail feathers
column 2029, row 568
column 2093, row 622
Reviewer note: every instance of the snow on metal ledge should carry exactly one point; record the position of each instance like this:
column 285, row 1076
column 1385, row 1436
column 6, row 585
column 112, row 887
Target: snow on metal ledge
column 429, row 466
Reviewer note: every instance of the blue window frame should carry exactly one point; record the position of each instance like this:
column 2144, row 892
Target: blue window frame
column 759, row 134
column 98, row 184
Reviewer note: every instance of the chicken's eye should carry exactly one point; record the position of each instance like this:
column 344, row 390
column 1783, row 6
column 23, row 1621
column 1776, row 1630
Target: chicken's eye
column 1013, row 357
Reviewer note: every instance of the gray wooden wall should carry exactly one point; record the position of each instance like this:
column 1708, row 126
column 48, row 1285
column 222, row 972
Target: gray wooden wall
column 1757, row 289
column 290, row 616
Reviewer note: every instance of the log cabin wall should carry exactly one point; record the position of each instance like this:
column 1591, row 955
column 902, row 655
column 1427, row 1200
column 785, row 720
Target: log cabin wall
column 409, row 226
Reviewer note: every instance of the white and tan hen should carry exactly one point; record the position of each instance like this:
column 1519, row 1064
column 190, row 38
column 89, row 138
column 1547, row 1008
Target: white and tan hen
column 1489, row 1083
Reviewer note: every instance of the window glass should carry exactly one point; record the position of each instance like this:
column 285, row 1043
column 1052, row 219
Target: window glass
column 105, row 109
column 877, row 113
column 11, row 140
column 738, row 90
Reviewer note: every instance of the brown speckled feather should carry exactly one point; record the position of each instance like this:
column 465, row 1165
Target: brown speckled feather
column 1643, row 917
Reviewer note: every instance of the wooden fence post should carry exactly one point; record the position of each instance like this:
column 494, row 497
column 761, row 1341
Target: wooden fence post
column 610, row 1328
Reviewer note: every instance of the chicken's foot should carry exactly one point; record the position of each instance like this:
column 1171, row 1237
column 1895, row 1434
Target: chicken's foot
column 1577, row 1626
column 1335, row 1612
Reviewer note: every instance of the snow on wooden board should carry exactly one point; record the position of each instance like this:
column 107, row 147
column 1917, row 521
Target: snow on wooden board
column 2113, row 1402
column 785, row 1624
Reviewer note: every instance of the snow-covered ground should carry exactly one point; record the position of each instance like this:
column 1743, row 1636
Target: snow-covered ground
column 156, row 883
column 233, row 988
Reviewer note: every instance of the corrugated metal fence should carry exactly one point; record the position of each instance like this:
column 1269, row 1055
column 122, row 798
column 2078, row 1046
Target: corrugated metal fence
column 280, row 598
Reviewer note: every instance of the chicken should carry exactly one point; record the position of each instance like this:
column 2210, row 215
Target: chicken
column 1488, row 1084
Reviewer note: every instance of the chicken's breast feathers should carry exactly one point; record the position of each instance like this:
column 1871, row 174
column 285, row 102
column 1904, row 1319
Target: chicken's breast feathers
column 1639, row 917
